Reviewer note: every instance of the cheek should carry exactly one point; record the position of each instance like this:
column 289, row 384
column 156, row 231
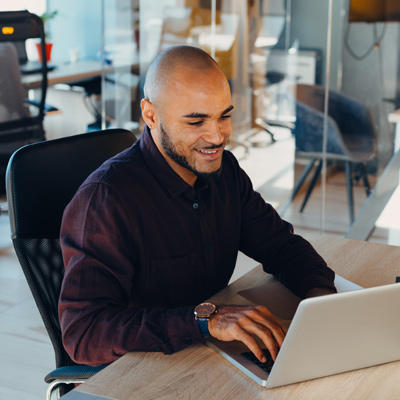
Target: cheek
column 185, row 142
column 226, row 127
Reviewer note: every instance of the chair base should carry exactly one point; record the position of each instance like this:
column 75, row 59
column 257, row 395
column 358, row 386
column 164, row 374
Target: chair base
column 55, row 388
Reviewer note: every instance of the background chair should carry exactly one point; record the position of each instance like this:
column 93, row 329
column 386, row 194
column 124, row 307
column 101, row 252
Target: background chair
column 273, row 78
column 41, row 180
column 19, row 125
column 351, row 137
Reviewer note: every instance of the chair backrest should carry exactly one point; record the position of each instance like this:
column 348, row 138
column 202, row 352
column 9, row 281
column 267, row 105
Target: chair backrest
column 17, row 27
column 41, row 180
column 22, row 128
column 11, row 93
column 308, row 132
column 351, row 131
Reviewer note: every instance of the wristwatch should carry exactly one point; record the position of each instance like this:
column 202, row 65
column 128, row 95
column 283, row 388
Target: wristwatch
column 202, row 313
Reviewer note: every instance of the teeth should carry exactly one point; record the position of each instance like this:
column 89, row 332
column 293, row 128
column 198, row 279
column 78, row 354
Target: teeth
column 207, row 152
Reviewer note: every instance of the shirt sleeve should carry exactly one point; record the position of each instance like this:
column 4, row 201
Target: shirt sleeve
column 99, row 323
column 270, row 240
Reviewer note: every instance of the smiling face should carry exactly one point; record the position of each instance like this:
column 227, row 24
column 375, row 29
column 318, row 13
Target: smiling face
column 190, row 121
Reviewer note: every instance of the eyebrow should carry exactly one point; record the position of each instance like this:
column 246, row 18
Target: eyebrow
column 201, row 115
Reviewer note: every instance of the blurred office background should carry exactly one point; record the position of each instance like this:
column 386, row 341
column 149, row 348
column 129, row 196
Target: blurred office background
column 315, row 85
column 273, row 54
column 266, row 49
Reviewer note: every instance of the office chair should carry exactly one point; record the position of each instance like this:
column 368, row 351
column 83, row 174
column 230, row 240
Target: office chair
column 273, row 78
column 351, row 137
column 18, row 126
column 41, row 180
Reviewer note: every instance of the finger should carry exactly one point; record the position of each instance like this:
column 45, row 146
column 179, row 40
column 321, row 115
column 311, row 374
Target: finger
column 267, row 338
column 263, row 321
column 246, row 333
column 253, row 346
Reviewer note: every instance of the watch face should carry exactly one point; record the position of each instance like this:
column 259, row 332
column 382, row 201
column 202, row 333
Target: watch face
column 205, row 309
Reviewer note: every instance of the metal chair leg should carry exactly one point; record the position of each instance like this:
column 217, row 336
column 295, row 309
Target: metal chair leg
column 266, row 127
column 349, row 185
column 364, row 173
column 312, row 184
column 53, row 390
column 302, row 178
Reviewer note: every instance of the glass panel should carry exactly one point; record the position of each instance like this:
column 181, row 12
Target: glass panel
column 218, row 27
column 120, row 65
column 274, row 54
column 269, row 51
column 265, row 52
column 370, row 74
column 289, row 58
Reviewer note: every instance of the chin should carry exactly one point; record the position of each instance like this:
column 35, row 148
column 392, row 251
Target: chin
column 209, row 175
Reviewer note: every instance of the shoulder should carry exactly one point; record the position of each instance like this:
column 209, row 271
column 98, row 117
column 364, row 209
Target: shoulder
column 233, row 171
column 118, row 170
column 230, row 164
column 111, row 180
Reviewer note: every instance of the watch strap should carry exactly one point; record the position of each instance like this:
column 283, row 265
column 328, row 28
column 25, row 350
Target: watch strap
column 203, row 325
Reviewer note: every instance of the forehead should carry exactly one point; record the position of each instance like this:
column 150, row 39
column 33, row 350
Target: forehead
column 190, row 90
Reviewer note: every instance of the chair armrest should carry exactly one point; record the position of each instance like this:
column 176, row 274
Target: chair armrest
column 48, row 109
column 73, row 372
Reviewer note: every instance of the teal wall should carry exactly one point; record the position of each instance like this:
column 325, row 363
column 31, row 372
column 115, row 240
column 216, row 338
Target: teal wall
column 77, row 25
column 310, row 26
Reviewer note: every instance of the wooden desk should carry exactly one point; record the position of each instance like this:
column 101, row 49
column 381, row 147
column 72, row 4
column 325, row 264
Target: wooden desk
column 79, row 71
column 199, row 373
column 64, row 74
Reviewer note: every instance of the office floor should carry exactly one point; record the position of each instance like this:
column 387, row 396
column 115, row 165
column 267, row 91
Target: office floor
column 26, row 354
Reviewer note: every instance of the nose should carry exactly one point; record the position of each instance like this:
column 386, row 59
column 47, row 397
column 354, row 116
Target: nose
column 214, row 134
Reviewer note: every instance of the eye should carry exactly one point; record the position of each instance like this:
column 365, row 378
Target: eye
column 197, row 123
column 225, row 117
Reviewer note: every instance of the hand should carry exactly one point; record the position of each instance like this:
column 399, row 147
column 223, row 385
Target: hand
column 319, row 291
column 244, row 322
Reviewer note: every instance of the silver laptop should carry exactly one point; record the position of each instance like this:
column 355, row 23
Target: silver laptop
column 328, row 335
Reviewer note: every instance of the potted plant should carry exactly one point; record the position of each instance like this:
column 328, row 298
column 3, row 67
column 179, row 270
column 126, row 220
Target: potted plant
column 46, row 17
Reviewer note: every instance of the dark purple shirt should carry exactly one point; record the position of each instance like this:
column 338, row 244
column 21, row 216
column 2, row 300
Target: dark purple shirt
column 142, row 248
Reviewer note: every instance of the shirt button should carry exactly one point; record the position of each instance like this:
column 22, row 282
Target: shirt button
column 188, row 341
column 157, row 349
column 195, row 206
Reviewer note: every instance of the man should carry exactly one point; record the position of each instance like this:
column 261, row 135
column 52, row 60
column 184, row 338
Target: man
column 156, row 230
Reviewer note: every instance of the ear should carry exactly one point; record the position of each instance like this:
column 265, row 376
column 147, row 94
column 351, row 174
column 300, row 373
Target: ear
column 149, row 113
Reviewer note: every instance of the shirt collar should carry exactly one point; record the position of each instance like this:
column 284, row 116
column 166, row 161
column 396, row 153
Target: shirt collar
column 159, row 167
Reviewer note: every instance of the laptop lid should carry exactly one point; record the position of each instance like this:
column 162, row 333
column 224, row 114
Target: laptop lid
column 328, row 334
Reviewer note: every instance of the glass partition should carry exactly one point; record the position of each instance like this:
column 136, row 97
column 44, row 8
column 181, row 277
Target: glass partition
column 218, row 27
column 120, row 65
column 289, row 59
column 312, row 94
column 370, row 74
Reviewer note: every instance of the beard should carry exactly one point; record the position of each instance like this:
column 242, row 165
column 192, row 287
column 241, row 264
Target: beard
column 180, row 159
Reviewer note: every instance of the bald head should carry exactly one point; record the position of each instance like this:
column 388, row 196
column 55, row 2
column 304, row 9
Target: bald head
column 171, row 61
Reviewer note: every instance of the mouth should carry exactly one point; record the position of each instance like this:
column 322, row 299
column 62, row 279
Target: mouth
column 209, row 154
column 207, row 151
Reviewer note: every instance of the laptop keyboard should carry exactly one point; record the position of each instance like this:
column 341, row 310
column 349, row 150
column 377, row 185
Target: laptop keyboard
column 267, row 366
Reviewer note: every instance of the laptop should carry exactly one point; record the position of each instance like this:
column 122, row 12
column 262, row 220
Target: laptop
column 353, row 329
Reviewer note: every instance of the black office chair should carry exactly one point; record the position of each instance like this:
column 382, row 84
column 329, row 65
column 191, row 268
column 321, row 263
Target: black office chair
column 351, row 137
column 18, row 125
column 41, row 180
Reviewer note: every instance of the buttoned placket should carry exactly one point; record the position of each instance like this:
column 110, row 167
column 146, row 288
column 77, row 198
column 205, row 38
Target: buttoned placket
column 206, row 235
